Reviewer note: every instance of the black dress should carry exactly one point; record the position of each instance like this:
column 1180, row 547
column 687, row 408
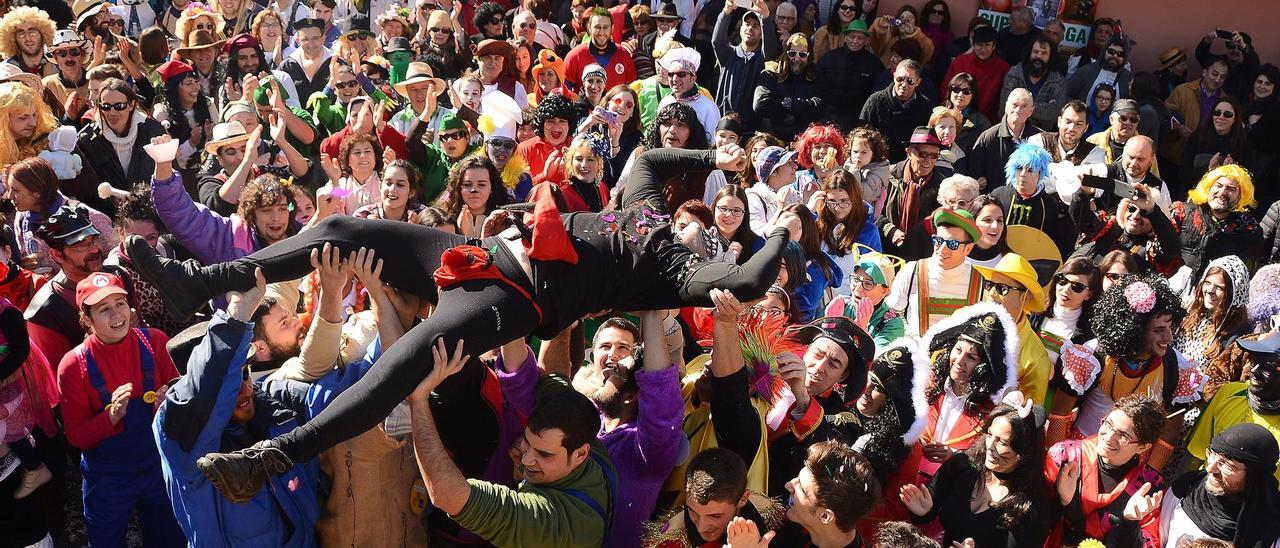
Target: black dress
column 952, row 489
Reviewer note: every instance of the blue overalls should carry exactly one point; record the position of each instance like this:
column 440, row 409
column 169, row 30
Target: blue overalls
column 123, row 471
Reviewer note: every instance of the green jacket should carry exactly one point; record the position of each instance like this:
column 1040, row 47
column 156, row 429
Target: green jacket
column 543, row 515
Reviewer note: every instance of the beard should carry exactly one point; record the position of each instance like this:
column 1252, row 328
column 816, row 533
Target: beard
column 611, row 403
column 284, row 351
column 1038, row 68
column 798, row 69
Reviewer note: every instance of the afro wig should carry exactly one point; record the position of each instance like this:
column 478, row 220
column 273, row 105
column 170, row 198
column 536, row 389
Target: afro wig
column 818, row 134
column 677, row 111
column 1031, row 155
column 1121, row 316
column 1200, row 194
column 554, row 106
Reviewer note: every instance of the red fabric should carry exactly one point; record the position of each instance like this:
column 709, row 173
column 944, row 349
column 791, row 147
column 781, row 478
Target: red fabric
column 465, row 262
column 22, row 288
column 535, row 151
column 52, row 343
column 619, row 70
column 990, row 75
column 83, row 413
column 893, row 509
column 550, row 240
column 389, row 137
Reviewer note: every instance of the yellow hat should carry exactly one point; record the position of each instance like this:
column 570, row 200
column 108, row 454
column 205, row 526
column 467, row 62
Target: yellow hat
column 1014, row 266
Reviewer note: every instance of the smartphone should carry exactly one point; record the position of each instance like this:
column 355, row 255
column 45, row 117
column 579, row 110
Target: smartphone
column 608, row 115
column 1225, row 34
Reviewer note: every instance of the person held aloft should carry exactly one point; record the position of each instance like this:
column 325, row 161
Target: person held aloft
column 1134, row 322
column 111, row 385
column 137, row 217
column 1215, row 220
column 715, row 489
column 870, row 279
column 974, row 357
column 1012, row 284
column 1216, row 318
column 992, row 494
column 1026, row 202
column 1096, row 478
column 928, row 290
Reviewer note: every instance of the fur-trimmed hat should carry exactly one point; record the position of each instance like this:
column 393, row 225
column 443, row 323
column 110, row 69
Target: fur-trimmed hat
column 1264, row 295
column 902, row 371
column 989, row 326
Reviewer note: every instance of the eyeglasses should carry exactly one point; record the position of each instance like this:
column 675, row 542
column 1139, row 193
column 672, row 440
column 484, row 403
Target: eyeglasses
column 1227, row 468
column 1115, row 52
column 1128, row 118
column 1115, row 276
column 377, row 80
column 115, row 23
column 951, row 244
column 1063, row 281
column 905, row 79
column 767, row 310
column 494, row 21
column 939, row 11
column 926, row 155
column 500, row 143
column 527, row 25
column 839, row 204
column 108, row 107
column 731, row 211
column 1122, row 438
column 439, row 30
column 956, row 204
column 453, row 136
column 798, row 54
column 784, row 18
column 867, row 284
column 347, row 84
column 1003, row 289
column 68, row 53
column 681, row 74
column 1224, row 114
column 847, row 7
column 961, row 90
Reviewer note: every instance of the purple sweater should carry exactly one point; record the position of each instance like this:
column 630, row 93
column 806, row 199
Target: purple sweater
column 210, row 237
column 644, row 452
column 520, row 391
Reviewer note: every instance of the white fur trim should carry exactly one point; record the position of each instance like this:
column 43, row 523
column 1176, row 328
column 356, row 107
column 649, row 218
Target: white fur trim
column 1011, row 345
column 920, row 373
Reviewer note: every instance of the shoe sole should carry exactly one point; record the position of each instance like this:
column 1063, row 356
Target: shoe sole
column 219, row 482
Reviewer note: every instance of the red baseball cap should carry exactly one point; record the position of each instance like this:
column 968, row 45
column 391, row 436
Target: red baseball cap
column 98, row 286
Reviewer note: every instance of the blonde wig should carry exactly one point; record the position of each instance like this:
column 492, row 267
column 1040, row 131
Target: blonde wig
column 16, row 97
column 187, row 22
column 1200, row 194
column 24, row 14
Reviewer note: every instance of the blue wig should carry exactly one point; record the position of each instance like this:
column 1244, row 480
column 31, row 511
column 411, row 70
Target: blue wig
column 1027, row 154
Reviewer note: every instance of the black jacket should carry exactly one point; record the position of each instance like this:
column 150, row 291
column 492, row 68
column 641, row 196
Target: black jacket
column 992, row 150
column 896, row 120
column 846, row 83
column 1204, row 239
column 101, row 164
column 806, row 105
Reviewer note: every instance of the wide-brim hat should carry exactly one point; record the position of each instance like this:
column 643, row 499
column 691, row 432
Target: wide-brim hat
column 224, row 134
column 491, row 46
column 858, row 346
column 989, row 326
column 418, row 73
column 1037, row 248
column 66, row 38
column 1171, row 57
column 10, row 72
column 198, row 40
column 84, row 9
column 922, row 135
column 668, row 12
column 1016, row 267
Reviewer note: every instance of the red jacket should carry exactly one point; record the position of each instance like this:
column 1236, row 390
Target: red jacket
column 990, row 76
column 618, row 70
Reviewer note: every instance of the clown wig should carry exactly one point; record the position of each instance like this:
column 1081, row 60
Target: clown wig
column 554, row 106
column 1121, row 316
column 37, row 18
column 16, row 97
column 1027, row 154
column 818, row 134
column 1200, row 194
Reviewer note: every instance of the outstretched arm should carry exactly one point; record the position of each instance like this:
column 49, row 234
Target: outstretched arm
column 446, row 486
column 655, row 166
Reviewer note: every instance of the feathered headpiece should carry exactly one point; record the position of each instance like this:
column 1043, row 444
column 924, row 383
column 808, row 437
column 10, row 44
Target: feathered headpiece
column 595, row 142
column 763, row 338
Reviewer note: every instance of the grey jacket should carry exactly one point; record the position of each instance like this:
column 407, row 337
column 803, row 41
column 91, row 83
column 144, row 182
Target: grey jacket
column 1049, row 99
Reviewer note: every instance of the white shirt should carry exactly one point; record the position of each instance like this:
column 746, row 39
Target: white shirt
column 947, row 284
column 949, row 411
column 761, row 207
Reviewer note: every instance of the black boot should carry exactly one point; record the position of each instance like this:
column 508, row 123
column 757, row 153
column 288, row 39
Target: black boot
column 181, row 283
column 239, row 475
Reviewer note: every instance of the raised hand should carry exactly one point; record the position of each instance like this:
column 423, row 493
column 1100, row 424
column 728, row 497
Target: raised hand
column 1141, row 504
column 742, row 532
column 119, row 404
column 917, row 499
column 334, row 273
column 368, row 269
column 727, row 306
column 445, row 364
column 1068, row 481
column 731, row 158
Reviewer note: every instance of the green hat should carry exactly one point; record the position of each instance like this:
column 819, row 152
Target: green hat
column 260, row 94
column 879, row 267
column 857, row 25
column 450, row 121
column 958, row 218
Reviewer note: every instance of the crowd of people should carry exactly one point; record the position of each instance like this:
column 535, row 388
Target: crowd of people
column 655, row 274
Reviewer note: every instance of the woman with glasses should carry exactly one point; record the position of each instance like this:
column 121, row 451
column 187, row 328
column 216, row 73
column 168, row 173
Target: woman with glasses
column 1219, row 140
column 729, row 211
column 962, row 95
column 845, row 223
column 1094, row 478
column 623, row 130
column 1099, row 113
column 831, row 35
column 442, row 36
column 1216, row 317
column 936, row 25
column 870, row 278
column 268, row 28
column 1069, row 307
column 1115, row 265
column 112, row 145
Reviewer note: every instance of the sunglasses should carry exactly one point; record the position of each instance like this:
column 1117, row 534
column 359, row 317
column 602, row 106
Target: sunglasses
column 494, row 21
column 798, row 54
column 1135, row 210
column 68, row 53
column 846, row 7
column 1003, row 289
column 439, row 30
column 681, row 74
column 1128, row 118
column 953, row 245
column 927, row 156
column 527, row 25
column 501, row 144
column 108, row 107
column 1115, row 52
column 115, row 23
column 1224, row 114
column 347, row 84
column 1115, row 276
column 939, row 11
column 453, row 136
column 961, row 90
column 1063, row 281
column 906, row 79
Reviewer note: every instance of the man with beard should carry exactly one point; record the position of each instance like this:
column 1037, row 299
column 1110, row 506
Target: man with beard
column 1110, row 69
column 1215, row 220
column 244, row 58
column 1136, row 225
column 641, row 410
column 1234, row 499
column 848, row 75
column 898, row 109
column 52, row 318
column 741, row 65
column 1034, row 74
column 786, row 97
column 1253, row 400
column 1013, row 41
column 24, row 32
column 1067, row 146
column 1193, row 101
column 995, row 145
column 599, row 49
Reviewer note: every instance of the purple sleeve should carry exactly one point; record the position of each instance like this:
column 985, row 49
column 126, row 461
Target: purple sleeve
column 520, row 388
column 205, row 233
column 661, row 414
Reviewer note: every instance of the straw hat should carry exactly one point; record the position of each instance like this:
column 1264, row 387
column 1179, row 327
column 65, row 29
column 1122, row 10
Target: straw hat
column 198, row 40
column 10, row 72
column 226, row 134
column 420, row 72
column 1014, row 266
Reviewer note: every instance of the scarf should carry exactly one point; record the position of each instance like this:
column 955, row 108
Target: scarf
column 123, row 144
column 1247, row 523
